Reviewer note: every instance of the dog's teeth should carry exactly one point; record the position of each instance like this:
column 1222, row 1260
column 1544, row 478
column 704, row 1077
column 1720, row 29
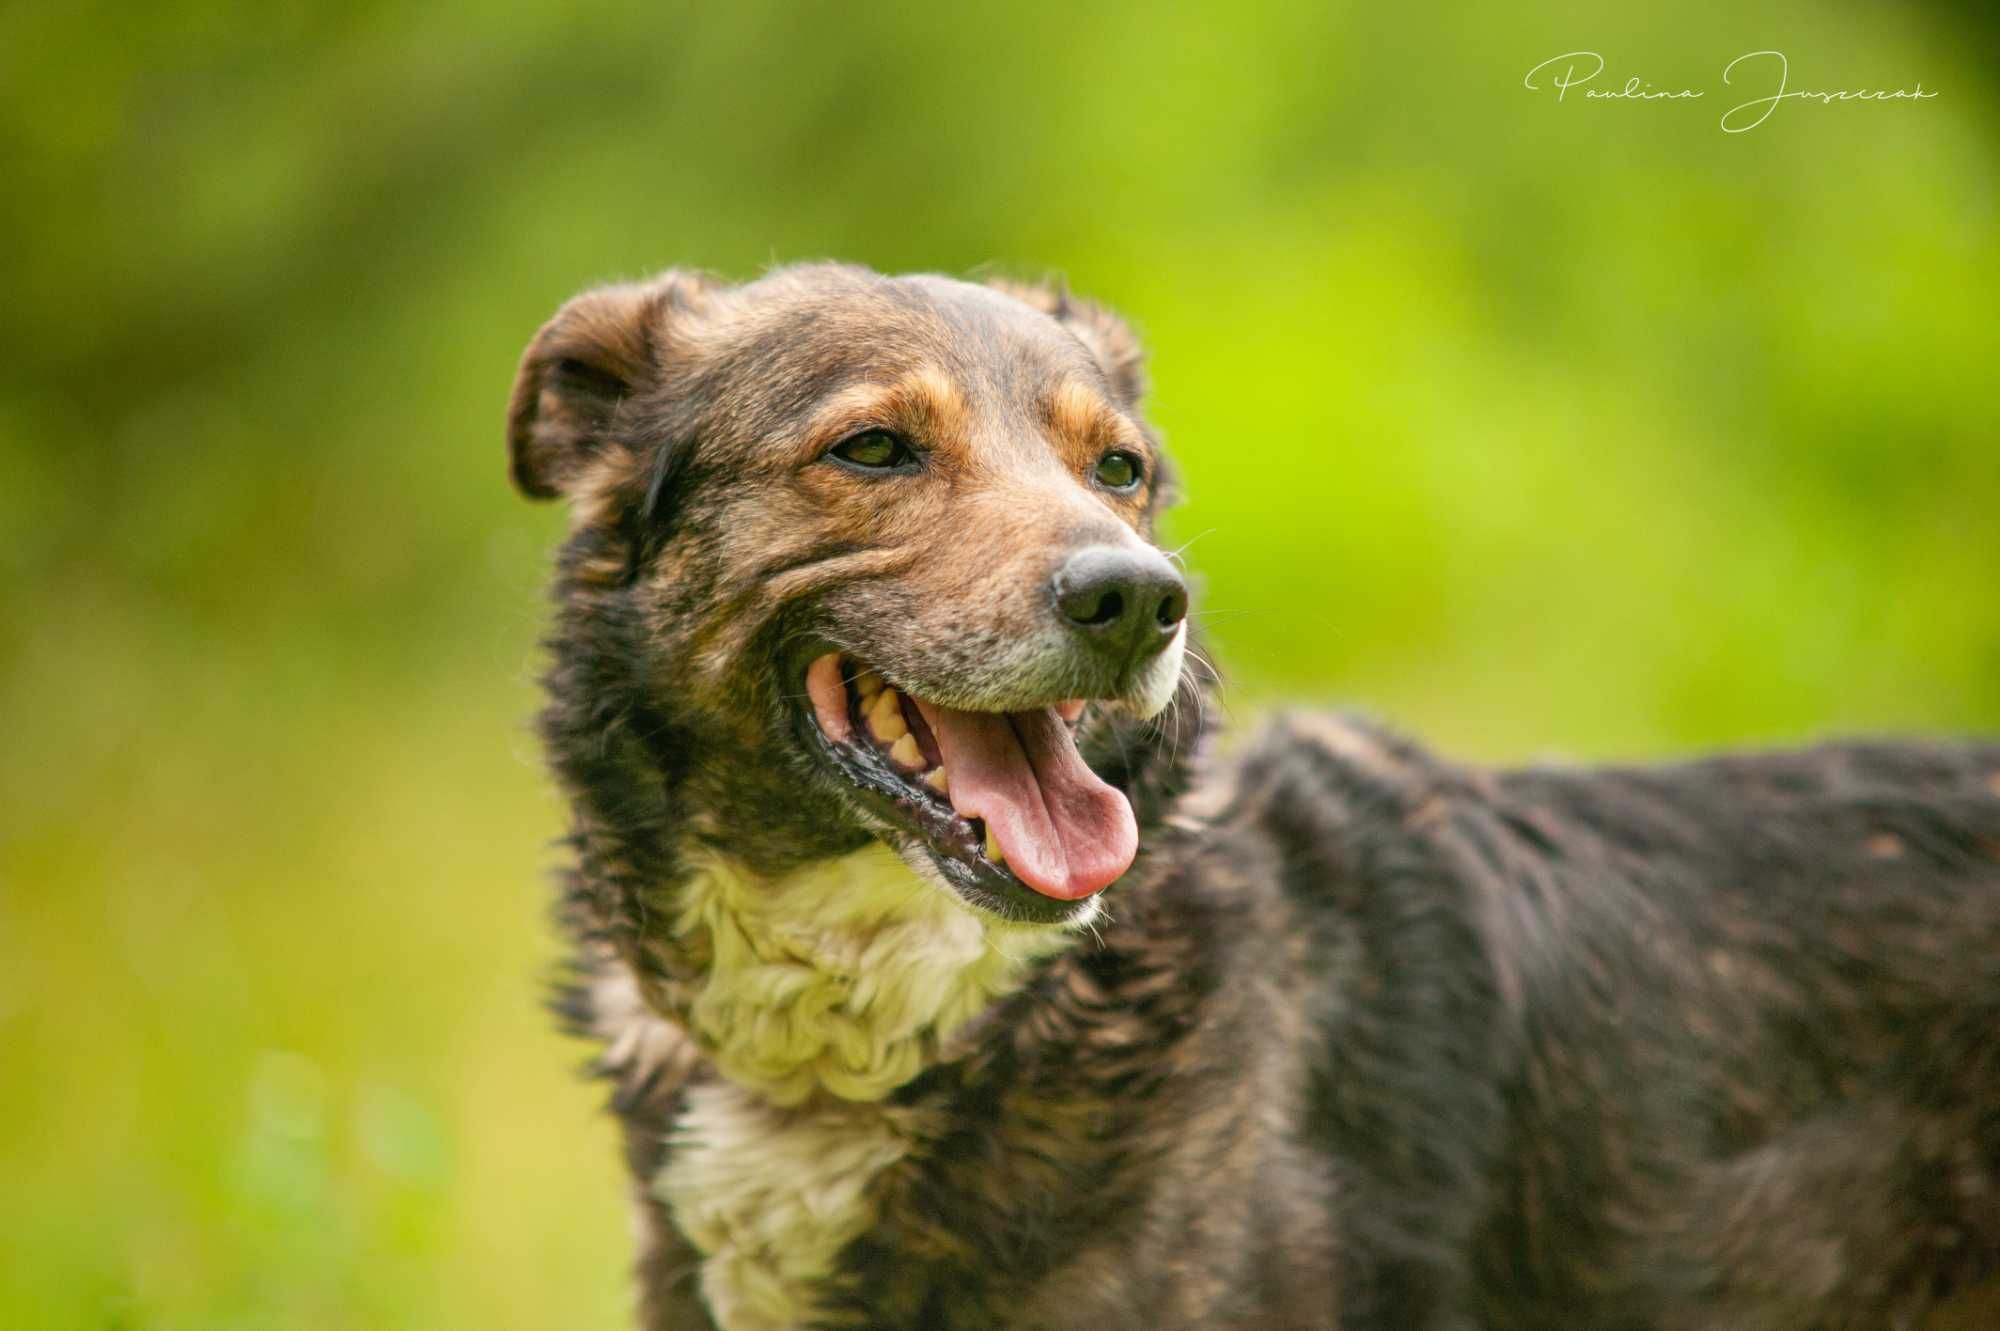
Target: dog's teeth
column 993, row 851
column 868, row 684
column 885, row 717
column 905, row 753
column 939, row 780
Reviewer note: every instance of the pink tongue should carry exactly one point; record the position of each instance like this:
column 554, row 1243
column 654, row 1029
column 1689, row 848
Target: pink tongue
column 1065, row 833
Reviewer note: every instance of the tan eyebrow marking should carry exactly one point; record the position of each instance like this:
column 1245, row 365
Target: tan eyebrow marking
column 1082, row 418
column 923, row 403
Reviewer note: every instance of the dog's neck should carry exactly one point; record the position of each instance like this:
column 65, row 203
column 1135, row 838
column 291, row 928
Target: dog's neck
column 846, row 977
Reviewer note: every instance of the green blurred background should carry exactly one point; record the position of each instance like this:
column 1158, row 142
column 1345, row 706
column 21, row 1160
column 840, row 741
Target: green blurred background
column 1580, row 430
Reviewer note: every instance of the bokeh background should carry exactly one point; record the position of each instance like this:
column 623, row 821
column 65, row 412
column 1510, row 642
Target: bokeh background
column 1579, row 430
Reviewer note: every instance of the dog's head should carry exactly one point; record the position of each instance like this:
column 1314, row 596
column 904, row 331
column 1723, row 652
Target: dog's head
column 855, row 556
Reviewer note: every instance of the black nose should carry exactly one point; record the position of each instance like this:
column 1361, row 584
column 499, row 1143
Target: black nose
column 1125, row 603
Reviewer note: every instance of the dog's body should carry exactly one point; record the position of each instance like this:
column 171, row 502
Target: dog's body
column 1361, row 1040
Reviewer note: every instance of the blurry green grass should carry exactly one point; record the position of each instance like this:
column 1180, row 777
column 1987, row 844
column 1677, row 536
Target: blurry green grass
column 1570, row 430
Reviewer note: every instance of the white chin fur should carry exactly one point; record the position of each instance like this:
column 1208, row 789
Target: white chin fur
column 1162, row 678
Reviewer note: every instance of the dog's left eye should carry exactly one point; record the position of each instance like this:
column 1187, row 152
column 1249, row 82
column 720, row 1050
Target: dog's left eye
column 1118, row 471
column 874, row 450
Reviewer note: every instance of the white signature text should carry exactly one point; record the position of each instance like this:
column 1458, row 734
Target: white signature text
column 1751, row 71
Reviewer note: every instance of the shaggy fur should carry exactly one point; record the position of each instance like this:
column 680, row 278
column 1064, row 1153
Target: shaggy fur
column 1366, row 1039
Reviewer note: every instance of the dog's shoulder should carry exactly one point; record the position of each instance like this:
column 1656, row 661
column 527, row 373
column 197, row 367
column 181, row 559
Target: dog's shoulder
column 1331, row 793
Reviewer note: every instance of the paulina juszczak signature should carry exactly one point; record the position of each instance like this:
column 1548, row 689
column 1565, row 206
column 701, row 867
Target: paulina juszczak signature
column 1574, row 70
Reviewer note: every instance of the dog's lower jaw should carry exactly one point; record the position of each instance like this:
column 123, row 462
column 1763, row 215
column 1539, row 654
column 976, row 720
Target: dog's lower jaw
column 824, row 991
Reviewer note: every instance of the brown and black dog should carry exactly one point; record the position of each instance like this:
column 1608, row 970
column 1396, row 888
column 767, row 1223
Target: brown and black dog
column 949, row 979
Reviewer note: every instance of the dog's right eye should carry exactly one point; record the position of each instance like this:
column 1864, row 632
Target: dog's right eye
column 874, row 450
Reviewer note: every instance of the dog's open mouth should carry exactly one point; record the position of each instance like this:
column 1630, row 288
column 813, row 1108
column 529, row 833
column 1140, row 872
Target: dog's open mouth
column 999, row 797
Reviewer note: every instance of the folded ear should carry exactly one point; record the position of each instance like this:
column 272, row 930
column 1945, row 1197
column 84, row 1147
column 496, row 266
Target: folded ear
column 599, row 350
column 1103, row 333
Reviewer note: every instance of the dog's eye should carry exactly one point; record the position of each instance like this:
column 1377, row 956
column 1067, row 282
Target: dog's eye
column 1118, row 471
column 874, row 450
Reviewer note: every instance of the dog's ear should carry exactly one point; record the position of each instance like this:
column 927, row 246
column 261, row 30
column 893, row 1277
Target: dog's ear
column 601, row 348
column 1104, row 334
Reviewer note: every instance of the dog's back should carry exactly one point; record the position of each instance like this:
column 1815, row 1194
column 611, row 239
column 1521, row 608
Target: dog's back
column 1711, row 1045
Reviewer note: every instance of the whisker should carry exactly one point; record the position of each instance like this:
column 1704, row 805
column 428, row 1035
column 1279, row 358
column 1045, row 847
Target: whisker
column 1195, row 655
column 1178, row 551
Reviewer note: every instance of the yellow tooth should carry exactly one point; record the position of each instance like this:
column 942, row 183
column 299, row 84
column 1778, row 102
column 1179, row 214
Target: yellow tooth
column 868, row 684
column 885, row 717
column 905, row 753
column 993, row 851
column 939, row 780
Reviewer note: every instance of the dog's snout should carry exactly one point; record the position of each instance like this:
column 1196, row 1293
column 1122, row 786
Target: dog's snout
column 1125, row 603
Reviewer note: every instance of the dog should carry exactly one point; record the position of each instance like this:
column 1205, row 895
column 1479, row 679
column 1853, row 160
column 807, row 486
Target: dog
column 949, row 974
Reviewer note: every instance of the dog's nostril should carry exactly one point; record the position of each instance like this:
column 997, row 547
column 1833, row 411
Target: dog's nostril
column 1095, row 606
column 1172, row 609
column 1090, row 595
